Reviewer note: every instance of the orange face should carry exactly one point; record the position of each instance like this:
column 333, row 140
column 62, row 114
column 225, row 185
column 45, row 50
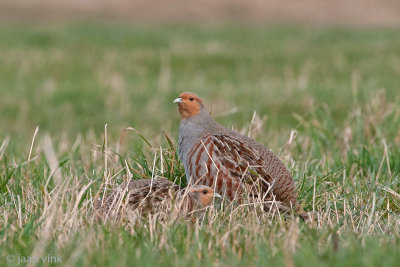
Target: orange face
column 202, row 195
column 189, row 104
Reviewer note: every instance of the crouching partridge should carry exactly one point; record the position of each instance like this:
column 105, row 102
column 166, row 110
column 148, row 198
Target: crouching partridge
column 155, row 195
column 229, row 162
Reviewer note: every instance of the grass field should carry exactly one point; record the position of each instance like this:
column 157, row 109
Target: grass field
column 326, row 101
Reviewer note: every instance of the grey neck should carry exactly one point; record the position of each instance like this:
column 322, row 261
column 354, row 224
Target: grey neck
column 193, row 129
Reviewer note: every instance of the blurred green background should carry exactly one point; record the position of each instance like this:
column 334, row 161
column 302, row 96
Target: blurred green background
column 75, row 77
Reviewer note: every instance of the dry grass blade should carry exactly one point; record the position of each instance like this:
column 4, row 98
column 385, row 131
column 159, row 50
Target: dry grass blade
column 52, row 159
column 3, row 146
column 30, row 152
column 137, row 133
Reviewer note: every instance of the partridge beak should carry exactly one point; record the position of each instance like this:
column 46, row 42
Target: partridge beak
column 218, row 201
column 216, row 195
column 178, row 100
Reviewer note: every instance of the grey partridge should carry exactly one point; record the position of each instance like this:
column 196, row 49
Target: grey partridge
column 229, row 162
column 154, row 195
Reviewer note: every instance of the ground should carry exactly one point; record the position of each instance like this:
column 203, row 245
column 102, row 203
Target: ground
column 325, row 100
column 308, row 12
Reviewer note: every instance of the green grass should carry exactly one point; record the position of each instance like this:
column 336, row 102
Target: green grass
column 337, row 89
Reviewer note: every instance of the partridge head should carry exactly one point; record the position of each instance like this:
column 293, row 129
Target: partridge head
column 202, row 196
column 189, row 105
column 154, row 195
column 231, row 163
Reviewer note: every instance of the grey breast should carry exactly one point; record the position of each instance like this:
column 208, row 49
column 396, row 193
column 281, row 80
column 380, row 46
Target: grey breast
column 189, row 134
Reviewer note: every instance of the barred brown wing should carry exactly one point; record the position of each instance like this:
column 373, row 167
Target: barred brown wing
column 233, row 167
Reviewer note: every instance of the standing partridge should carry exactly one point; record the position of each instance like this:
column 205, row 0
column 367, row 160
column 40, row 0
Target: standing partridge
column 154, row 195
column 231, row 163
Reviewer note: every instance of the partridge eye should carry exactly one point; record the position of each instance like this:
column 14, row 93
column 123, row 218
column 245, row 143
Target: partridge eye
column 191, row 99
column 205, row 192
